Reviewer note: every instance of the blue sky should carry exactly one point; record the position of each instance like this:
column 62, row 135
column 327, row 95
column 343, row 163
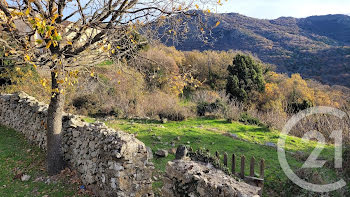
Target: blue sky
column 271, row 9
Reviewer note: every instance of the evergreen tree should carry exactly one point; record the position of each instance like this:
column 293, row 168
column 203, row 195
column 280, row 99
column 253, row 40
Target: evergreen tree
column 245, row 77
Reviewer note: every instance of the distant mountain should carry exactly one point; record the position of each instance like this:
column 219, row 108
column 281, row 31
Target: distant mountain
column 316, row 47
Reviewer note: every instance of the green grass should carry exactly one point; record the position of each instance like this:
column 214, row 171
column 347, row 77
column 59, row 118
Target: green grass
column 106, row 63
column 17, row 156
column 209, row 134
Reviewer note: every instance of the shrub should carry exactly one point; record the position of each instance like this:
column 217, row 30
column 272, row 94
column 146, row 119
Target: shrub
column 248, row 119
column 203, row 108
column 216, row 107
column 174, row 114
column 210, row 102
column 112, row 92
column 162, row 105
column 86, row 104
column 233, row 110
column 201, row 96
column 309, row 175
column 296, row 107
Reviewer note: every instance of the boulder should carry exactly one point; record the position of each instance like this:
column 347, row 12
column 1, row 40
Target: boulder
column 162, row 153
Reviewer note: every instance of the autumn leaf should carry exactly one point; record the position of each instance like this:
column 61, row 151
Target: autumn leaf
column 27, row 57
column 217, row 24
column 43, row 83
column 48, row 44
column 39, row 41
column 27, row 11
column 33, row 65
column 54, row 18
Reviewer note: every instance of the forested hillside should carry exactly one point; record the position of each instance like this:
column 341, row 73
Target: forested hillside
column 317, row 47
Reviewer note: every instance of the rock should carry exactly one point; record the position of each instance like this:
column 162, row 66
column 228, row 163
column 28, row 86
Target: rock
column 233, row 135
column 198, row 179
column 188, row 142
column 149, row 152
column 76, row 133
column 164, row 120
column 39, row 179
column 162, row 153
column 113, row 183
column 48, row 181
column 270, row 144
column 172, row 150
column 181, row 152
column 25, row 178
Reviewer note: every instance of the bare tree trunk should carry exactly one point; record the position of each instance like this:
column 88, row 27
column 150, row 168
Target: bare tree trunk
column 55, row 162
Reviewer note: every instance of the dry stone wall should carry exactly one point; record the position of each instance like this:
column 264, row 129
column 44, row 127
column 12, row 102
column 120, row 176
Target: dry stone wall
column 111, row 162
column 191, row 178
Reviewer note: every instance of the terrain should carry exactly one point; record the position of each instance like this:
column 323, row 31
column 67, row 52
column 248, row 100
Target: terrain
column 18, row 159
column 219, row 135
column 317, row 47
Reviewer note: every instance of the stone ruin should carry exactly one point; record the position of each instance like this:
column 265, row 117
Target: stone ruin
column 112, row 163
column 185, row 177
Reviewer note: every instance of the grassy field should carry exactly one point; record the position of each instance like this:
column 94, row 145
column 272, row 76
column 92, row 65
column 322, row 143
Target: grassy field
column 18, row 157
column 212, row 134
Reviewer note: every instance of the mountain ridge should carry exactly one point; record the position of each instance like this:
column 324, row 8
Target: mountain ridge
column 317, row 47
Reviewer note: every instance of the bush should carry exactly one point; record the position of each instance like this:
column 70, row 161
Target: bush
column 86, row 104
column 248, row 119
column 233, row 110
column 174, row 114
column 110, row 93
column 210, row 102
column 296, row 107
column 201, row 96
column 162, row 105
column 205, row 107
